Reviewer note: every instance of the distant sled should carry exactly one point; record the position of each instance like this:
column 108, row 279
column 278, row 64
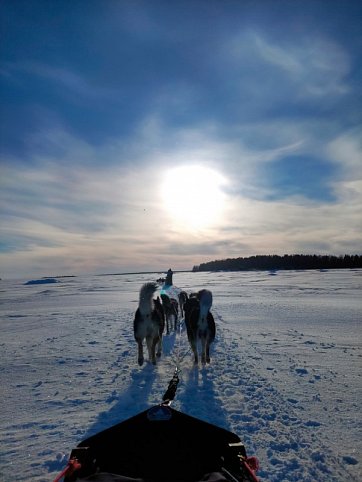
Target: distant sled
column 169, row 289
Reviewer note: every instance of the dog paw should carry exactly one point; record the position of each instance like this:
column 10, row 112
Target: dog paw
column 140, row 361
column 158, row 354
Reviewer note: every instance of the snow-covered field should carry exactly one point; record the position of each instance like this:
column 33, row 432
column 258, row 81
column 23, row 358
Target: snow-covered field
column 285, row 373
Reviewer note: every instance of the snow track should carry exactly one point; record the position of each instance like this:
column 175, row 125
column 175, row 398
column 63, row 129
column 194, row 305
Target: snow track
column 289, row 389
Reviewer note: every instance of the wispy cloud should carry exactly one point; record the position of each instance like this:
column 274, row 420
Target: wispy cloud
column 102, row 216
column 268, row 101
column 346, row 150
column 62, row 78
column 318, row 66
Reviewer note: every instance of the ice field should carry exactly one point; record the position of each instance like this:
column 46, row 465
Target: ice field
column 285, row 372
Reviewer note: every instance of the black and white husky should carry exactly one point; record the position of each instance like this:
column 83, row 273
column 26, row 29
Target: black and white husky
column 182, row 298
column 200, row 324
column 149, row 323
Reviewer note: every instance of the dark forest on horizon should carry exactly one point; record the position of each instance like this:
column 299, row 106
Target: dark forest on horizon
column 285, row 262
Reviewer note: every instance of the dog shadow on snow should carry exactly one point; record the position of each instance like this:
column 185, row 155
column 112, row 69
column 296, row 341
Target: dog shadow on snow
column 168, row 344
column 200, row 398
column 132, row 400
column 138, row 389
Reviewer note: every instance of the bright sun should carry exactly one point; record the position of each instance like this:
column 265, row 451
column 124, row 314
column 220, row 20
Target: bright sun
column 192, row 195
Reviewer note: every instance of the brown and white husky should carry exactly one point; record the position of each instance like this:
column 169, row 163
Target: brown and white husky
column 170, row 308
column 149, row 323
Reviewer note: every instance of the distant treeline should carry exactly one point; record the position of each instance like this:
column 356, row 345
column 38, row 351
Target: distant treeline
column 288, row 261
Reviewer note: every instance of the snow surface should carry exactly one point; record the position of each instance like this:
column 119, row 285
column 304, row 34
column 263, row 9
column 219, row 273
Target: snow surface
column 284, row 375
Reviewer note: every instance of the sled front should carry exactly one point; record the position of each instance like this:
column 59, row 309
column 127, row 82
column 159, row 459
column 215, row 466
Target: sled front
column 160, row 444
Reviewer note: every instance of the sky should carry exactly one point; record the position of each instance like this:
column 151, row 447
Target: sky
column 142, row 135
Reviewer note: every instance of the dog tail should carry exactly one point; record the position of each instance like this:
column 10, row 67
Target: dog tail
column 205, row 300
column 146, row 298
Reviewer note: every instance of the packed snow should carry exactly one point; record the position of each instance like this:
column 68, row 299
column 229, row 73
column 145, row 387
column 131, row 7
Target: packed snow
column 285, row 372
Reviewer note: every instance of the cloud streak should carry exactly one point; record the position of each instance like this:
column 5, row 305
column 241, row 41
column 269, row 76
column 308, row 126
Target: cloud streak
column 111, row 219
column 92, row 131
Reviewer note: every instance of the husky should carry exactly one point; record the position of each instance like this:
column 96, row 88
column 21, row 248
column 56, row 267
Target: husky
column 149, row 323
column 170, row 307
column 200, row 324
column 182, row 298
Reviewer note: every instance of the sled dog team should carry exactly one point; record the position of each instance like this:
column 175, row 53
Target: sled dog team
column 153, row 314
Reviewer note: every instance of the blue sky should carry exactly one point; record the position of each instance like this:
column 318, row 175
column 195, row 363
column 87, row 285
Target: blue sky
column 249, row 111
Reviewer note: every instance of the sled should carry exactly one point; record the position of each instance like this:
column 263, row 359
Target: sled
column 162, row 444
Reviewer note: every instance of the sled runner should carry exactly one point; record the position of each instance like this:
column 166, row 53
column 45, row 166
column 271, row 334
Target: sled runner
column 162, row 444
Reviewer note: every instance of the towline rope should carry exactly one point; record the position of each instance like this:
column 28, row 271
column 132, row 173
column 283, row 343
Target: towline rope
column 179, row 359
column 171, row 390
column 170, row 393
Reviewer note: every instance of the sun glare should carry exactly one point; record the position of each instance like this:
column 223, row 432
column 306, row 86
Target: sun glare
column 193, row 196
